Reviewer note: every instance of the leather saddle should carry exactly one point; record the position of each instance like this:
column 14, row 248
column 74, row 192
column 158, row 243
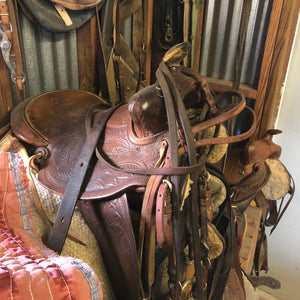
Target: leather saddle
column 63, row 133
column 128, row 140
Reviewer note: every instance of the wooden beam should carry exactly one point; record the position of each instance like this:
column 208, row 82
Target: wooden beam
column 6, row 103
column 280, row 61
column 148, row 13
column 267, row 61
column 86, row 51
column 220, row 85
column 197, row 30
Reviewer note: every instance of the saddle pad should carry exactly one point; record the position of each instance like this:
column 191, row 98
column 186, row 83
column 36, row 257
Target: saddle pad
column 28, row 269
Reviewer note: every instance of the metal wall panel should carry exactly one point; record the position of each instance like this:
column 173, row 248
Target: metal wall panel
column 51, row 59
column 221, row 27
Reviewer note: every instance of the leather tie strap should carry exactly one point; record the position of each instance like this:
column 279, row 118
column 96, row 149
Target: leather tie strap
column 63, row 219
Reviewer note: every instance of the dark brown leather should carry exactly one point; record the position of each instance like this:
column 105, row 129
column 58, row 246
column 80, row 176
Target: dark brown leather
column 64, row 137
column 73, row 189
column 240, row 162
column 126, row 150
column 110, row 223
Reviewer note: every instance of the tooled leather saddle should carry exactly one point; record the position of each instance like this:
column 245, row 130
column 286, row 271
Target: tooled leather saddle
column 138, row 146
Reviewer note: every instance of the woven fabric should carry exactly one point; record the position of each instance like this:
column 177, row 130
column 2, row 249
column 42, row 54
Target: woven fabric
column 28, row 269
column 88, row 251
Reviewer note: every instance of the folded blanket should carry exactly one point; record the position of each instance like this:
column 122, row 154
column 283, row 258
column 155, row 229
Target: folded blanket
column 28, row 269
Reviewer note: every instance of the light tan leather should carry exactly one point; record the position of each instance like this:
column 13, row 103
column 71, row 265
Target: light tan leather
column 77, row 4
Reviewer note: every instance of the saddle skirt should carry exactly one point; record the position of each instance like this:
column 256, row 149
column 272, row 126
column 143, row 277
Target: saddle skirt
column 63, row 132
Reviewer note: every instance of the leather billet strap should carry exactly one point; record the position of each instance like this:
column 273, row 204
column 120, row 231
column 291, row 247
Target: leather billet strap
column 62, row 222
column 174, row 161
column 103, row 84
column 148, row 20
column 202, row 83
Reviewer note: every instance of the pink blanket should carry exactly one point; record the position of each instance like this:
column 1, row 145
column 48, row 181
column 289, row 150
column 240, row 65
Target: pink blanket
column 28, row 269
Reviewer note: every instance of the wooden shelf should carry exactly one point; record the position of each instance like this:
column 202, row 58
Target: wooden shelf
column 220, row 85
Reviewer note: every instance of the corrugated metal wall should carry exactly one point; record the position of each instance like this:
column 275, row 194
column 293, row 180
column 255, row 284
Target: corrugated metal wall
column 221, row 27
column 51, row 59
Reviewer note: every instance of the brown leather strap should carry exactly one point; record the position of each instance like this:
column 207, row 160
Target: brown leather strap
column 138, row 41
column 167, row 227
column 164, row 232
column 101, row 60
column 117, row 52
column 160, row 200
column 148, row 200
column 150, row 227
column 62, row 223
column 29, row 171
column 153, row 171
column 194, row 207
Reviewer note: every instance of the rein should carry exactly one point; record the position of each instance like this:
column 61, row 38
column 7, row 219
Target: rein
column 166, row 177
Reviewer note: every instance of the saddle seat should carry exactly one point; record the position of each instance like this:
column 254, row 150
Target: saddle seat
column 57, row 121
